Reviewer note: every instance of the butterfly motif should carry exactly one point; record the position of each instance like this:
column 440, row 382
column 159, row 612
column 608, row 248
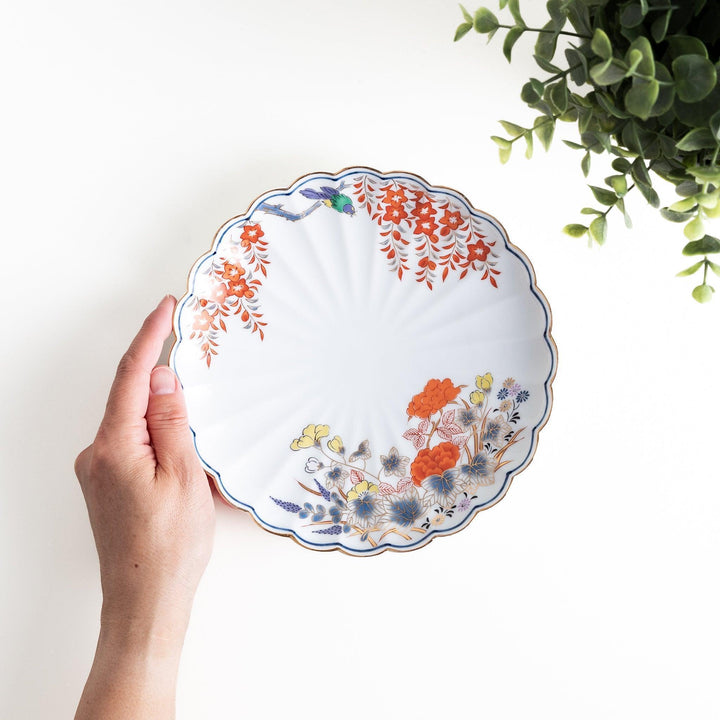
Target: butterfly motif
column 362, row 453
column 417, row 436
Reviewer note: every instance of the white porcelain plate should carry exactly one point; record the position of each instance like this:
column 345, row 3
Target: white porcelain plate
column 366, row 360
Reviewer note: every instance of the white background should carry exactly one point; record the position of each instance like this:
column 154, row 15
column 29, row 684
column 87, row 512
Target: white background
column 130, row 132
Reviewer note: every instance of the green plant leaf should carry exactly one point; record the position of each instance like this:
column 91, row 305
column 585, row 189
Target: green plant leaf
column 632, row 15
column 647, row 191
column 601, row 44
column 703, row 293
column 621, row 164
column 705, row 173
column 462, row 31
column 574, row 145
column 707, row 245
column 666, row 95
column 529, row 144
column 673, row 216
column 695, row 229
column 686, row 45
column 544, row 129
column 603, row 196
column 598, row 229
column 485, row 21
column 585, row 164
column 697, row 139
column 641, row 97
column 618, row 183
column 546, row 42
column 591, row 211
column 529, row 93
column 698, row 114
column 513, row 35
column 683, row 206
column 575, row 230
column 558, row 14
column 647, row 62
column 620, row 205
column 546, row 65
column 608, row 72
column 512, row 129
column 578, row 65
column 715, row 268
column 659, row 28
column 501, row 142
column 715, row 125
column 468, row 17
column 691, row 270
column 695, row 77
column 514, row 7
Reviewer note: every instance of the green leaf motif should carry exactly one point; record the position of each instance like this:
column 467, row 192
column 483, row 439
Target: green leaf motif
column 512, row 129
column 695, row 77
column 468, row 17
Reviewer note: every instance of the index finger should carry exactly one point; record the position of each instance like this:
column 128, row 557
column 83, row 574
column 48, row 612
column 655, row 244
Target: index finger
column 128, row 399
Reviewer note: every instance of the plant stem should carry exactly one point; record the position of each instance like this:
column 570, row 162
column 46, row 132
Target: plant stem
column 543, row 30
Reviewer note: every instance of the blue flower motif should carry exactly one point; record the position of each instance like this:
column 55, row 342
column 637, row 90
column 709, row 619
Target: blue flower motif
column 522, row 396
column 405, row 510
column 502, row 393
column 393, row 463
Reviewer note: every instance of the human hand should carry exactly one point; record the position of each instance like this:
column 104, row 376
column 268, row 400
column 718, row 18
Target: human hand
column 152, row 516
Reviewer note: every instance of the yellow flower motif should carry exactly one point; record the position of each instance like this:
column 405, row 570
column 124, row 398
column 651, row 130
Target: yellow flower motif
column 311, row 436
column 360, row 489
column 484, row 382
column 336, row 445
column 477, row 398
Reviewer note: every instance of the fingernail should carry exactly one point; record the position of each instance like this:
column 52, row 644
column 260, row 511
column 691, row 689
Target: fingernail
column 162, row 381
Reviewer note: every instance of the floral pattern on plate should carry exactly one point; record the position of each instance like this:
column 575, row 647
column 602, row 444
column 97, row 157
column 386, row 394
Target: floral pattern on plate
column 459, row 441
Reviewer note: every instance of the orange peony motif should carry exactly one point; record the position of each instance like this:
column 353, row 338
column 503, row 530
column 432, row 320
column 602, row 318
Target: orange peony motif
column 478, row 251
column 250, row 234
column 395, row 197
column 233, row 272
column 434, row 461
column 435, row 395
column 241, row 289
column 203, row 321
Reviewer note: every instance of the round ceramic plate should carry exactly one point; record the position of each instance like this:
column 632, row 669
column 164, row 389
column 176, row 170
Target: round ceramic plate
column 366, row 360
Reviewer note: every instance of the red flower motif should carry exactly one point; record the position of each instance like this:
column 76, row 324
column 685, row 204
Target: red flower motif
column 478, row 251
column 435, row 395
column 241, row 289
column 250, row 234
column 426, row 226
column 434, row 461
column 451, row 220
column 394, row 214
column 395, row 197
column 203, row 321
column 218, row 294
column 424, row 211
column 232, row 272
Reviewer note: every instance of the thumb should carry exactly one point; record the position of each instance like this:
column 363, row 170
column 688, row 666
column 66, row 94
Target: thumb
column 167, row 422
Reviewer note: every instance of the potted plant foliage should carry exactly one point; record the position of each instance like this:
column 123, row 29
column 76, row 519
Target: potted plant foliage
column 640, row 79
